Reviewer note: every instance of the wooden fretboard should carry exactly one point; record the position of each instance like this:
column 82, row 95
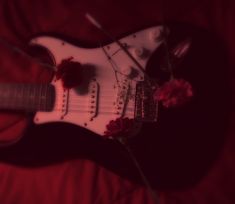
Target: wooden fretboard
column 27, row 97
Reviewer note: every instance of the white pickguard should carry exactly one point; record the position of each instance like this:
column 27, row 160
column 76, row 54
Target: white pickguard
column 72, row 107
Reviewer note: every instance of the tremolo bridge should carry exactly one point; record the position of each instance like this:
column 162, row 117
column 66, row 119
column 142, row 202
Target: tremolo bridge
column 122, row 98
column 146, row 108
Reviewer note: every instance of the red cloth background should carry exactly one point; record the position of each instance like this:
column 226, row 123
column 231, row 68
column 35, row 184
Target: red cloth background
column 51, row 166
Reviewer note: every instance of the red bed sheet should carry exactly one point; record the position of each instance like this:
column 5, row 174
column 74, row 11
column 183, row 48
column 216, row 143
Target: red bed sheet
column 47, row 166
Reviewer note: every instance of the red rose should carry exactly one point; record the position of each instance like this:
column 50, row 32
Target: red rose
column 70, row 72
column 119, row 128
column 173, row 93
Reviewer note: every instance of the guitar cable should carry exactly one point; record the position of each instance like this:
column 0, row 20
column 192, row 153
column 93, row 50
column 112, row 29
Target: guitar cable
column 155, row 197
column 93, row 21
column 20, row 51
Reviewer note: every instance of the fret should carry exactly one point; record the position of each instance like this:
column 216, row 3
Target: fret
column 5, row 91
column 23, row 98
column 16, row 96
column 20, row 102
column 43, row 98
column 50, row 97
column 33, row 97
column 13, row 99
column 6, row 97
column 46, row 98
column 27, row 97
column 36, row 97
column 40, row 94
column 2, row 96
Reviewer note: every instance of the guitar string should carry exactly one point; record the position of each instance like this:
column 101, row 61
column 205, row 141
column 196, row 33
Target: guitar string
column 75, row 101
column 79, row 106
column 74, row 107
column 79, row 103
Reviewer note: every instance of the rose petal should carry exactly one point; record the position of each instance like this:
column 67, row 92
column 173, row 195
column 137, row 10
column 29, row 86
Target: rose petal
column 173, row 93
column 70, row 72
column 121, row 127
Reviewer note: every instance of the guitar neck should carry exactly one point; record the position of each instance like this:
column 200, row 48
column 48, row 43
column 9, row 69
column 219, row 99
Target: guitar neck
column 27, row 97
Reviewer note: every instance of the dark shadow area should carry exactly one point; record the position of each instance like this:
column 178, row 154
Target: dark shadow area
column 88, row 74
column 40, row 53
column 187, row 140
column 174, row 153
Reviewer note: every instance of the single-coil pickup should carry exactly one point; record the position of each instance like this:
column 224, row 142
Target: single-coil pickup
column 122, row 98
column 93, row 101
column 64, row 108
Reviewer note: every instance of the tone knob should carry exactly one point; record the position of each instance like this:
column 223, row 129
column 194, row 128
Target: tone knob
column 154, row 35
column 140, row 52
column 127, row 70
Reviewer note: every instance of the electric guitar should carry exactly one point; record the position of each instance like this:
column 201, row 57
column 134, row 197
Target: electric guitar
column 116, row 86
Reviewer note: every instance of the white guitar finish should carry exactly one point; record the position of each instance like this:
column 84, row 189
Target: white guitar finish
column 111, row 94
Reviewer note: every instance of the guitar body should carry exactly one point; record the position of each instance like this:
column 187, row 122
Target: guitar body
column 110, row 81
column 180, row 139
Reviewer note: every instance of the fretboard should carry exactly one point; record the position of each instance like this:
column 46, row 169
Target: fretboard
column 27, row 97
